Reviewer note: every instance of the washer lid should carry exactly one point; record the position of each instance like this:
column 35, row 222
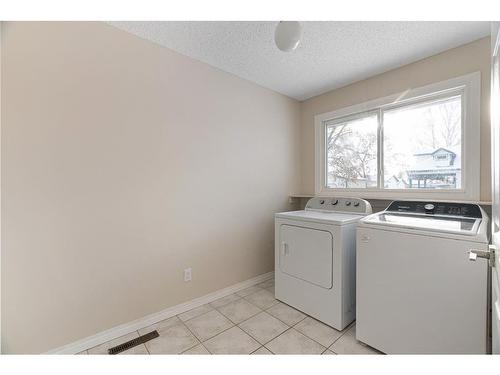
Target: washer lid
column 436, row 223
column 320, row 217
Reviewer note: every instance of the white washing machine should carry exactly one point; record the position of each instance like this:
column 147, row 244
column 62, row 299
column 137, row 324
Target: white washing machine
column 315, row 258
column 417, row 290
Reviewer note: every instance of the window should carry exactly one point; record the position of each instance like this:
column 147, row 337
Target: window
column 423, row 145
column 410, row 145
column 352, row 152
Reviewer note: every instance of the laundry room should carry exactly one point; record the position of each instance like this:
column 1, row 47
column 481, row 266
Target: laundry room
column 292, row 185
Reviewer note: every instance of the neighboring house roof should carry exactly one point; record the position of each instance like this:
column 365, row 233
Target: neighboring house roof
column 433, row 151
column 424, row 162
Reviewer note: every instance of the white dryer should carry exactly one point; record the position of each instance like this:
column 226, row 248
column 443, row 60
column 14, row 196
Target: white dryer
column 417, row 290
column 315, row 258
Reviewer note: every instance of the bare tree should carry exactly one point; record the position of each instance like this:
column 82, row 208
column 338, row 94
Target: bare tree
column 350, row 153
column 442, row 124
column 450, row 130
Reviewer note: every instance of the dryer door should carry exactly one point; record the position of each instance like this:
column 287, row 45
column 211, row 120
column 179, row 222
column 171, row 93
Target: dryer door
column 307, row 254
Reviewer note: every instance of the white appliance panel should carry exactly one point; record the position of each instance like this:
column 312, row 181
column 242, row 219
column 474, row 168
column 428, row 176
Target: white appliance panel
column 420, row 295
column 315, row 260
column 307, row 254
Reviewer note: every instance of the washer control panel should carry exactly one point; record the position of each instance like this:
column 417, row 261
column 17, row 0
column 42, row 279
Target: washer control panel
column 339, row 204
column 436, row 208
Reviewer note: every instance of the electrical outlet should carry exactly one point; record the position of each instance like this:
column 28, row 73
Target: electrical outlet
column 187, row 274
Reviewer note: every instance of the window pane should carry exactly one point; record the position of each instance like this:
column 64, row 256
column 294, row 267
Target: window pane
column 423, row 146
column 352, row 153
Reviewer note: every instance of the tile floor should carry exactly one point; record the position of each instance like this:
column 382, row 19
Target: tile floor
column 250, row 321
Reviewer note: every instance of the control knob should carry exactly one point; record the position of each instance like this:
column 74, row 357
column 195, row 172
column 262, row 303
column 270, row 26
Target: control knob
column 429, row 208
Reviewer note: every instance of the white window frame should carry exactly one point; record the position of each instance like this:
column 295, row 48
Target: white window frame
column 469, row 87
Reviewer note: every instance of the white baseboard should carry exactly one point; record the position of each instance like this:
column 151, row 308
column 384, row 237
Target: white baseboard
column 123, row 329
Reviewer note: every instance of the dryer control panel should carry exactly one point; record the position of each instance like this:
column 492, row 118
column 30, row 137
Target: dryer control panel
column 437, row 208
column 339, row 204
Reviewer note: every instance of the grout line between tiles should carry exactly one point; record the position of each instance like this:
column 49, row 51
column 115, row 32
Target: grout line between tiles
column 203, row 346
column 206, row 312
column 227, row 329
column 220, row 333
column 282, row 333
column 305, row 317
column 233, row 324
column 147, row 350
column 208, row 350
column 260, row 347
column 260, row 310
column 342, row 335
column 303, row 334
column 201, row 343
column 249, row 334
column 310, row 338
column 194, row 335
column 191, row 347
column 289, row 327
column 293, row 325
column 181, row 322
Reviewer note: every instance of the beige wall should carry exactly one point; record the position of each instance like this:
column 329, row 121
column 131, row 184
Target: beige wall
column 122, row 164
column 452, row 63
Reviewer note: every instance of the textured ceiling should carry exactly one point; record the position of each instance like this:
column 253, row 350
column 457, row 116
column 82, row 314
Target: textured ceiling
column 330, row 55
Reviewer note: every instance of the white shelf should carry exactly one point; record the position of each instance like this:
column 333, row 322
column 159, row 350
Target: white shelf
column 483, row 203
column 302, row 195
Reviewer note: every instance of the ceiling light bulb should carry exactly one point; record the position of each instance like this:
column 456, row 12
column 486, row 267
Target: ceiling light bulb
column 287, row 35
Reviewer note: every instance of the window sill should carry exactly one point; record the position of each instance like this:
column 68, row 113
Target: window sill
column 388, row 198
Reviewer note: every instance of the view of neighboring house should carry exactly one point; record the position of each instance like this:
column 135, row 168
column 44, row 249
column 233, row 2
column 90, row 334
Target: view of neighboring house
column 432, row 169
column 436, row 169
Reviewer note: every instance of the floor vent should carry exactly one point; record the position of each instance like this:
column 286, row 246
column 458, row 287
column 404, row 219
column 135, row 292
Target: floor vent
column 130, row 344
